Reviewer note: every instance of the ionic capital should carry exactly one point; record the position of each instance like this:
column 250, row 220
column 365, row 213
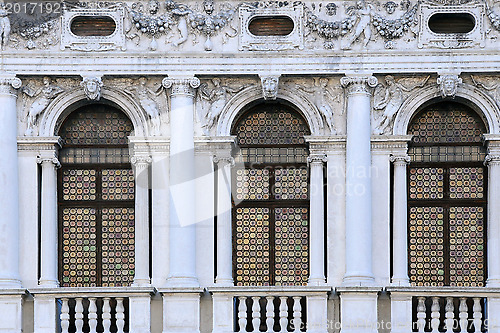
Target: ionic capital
column 400, row 159
column 141, row 160
column 221, row 161
column 181, row 86
column 46, row 160
column 492, row 160
column 317, row 159
column 8, row 84
column 359, row 84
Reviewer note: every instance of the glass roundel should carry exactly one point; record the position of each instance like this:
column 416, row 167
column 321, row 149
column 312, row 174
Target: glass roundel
column 447, row 198
column 96, row 199
column 271, row 217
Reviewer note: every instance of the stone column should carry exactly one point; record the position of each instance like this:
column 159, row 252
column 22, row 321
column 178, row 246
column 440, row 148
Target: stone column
column 182, row 185
column 358, row 181
column 400, row 230
column 224, row 227
column 141, row 171
column 317, row 221
column 493, row 162
column 50, row 164
column 9, row 183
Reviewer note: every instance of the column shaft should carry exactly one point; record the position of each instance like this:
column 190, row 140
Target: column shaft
column 493, row 216
column 141, row 170
column 224, row 227
column 400, row 230
column 358, row 181
column 9, row 184
column 49, row 244
column 317, row 222
column 182, row 183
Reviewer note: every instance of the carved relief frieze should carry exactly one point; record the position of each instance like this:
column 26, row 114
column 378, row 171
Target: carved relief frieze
column 328, row 97
column 293, row 10
column 151, row 96
column 388, row 98
column 178, row 21
column 430, row 39
column 364, row 22
column 112, row 10
column 490, row 84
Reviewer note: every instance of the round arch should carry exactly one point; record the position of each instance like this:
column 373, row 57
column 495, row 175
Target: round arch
column 67, row 102
column 480, row 102
column 252, row 94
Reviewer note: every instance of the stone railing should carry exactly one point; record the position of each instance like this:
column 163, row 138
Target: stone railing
column 270, row 309
column 94, row 314
column 91, row 310
column 445, row 309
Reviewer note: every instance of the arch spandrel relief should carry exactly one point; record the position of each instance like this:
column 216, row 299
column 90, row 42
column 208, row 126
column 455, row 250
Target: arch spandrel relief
column 209, row 26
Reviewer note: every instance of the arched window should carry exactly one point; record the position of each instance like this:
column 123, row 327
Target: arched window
column 447, row 197
column 96, row 199
column 271, row 218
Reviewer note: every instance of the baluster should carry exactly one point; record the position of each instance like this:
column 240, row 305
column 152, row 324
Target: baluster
column 463, row 315
column 283, row 314
column 106, row 315
column 449, row 314
column 256, row 314
column 120, row 315
column 79, row 315
column 242, row 314
column 421, row 314
column 435, row 315
column 92, row 314
column 270, row 313
column 64, row 317
column 478, row 315
column 297, row 313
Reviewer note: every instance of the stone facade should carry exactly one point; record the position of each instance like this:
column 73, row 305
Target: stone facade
column 183, row 73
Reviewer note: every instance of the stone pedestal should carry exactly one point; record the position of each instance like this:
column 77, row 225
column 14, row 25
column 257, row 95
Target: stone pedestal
column 359, row 309
column 181, row 310
column 11, row 303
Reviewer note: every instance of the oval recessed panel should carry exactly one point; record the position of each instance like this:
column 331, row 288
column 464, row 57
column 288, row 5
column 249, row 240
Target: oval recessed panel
column 94, row 26
column 452, row 23
column 271, row 26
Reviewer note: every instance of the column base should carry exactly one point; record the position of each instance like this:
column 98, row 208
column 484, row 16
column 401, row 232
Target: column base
column 224, row 282
column 48, row 283
column 493, row 282
column 359, row 310
column 358, row 281
column 141, row 283
column 181, row 312
column 10, row 284
column 400, row 282
column 316, row 282
column 182, row 282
